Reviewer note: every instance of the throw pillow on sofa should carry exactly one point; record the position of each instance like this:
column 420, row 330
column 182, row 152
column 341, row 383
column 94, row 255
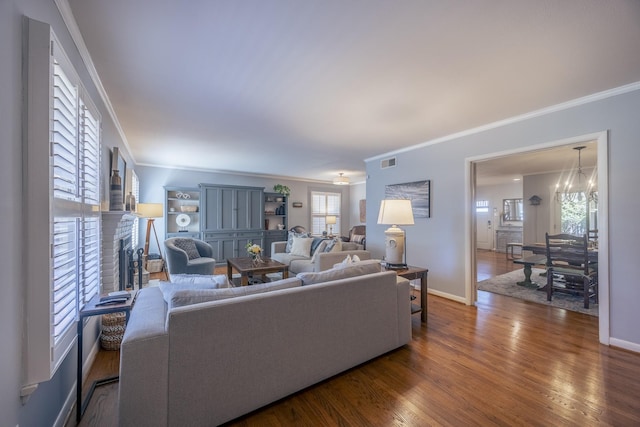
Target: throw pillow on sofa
column 334, row 245
column 301, row 246
column 293, row 234
column 189, row 246
column 358, row 269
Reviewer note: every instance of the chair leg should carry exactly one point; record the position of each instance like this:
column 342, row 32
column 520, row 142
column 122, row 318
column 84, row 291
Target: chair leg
column 549, row 284
column 586, row 282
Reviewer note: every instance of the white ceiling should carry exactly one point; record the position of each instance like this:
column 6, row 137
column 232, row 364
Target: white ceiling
column 308, row 89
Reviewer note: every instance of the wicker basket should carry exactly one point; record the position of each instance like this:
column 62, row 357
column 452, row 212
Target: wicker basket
column 188, row 208
column 113, row 325
column 155, row 265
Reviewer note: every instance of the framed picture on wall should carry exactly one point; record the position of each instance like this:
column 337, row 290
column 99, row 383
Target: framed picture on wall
column 418, row 192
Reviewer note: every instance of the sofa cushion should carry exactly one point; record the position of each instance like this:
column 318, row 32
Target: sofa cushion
column 183, row 297
column 293, row 234
column 301, row 246
column 169, row 288
column 287, row 259
column 356, row 269
column 216, row 280
column 189, row 246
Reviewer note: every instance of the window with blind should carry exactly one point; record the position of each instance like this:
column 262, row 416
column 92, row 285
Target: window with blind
column 322, row 204
column 63, row 203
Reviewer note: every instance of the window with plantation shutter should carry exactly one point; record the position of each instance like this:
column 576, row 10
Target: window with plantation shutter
column 323, row 204
column 63, row 203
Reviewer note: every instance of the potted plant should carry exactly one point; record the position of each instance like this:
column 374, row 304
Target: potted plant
column 282, row 189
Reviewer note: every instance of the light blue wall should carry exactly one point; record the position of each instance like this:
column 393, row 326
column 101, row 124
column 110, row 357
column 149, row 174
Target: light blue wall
column 45, row 406
column 439, row 242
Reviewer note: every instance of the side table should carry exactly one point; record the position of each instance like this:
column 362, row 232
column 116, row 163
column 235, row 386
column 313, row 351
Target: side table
column 92, row 309
column 413, row 273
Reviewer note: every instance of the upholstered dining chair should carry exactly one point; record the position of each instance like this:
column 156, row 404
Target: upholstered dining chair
column 570, row 269
column 189, row 256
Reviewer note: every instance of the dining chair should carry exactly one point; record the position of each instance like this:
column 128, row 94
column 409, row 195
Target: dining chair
column 569, row 268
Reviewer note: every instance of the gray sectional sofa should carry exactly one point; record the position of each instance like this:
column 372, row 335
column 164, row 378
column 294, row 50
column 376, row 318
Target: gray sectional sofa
column 205, row 363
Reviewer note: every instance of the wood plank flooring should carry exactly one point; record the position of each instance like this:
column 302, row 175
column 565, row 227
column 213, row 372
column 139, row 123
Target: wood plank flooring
column 503, row 362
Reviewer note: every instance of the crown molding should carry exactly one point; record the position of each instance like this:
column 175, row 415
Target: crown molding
column 500, row 123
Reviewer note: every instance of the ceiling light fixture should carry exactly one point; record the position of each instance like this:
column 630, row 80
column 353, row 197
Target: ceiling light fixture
column 341, row 180
column 583, row 188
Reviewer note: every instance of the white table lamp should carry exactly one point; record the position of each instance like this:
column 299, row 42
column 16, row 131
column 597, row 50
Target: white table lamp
column 395, row 212
column 330, row 220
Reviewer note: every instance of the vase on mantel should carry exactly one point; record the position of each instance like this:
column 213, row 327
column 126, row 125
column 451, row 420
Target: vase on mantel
column 115, row 192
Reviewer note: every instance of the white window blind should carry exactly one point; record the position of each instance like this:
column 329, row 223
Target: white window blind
column 63, row 203
column 323, row 204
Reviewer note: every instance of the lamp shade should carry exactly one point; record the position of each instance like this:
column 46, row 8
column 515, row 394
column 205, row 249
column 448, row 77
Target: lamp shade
column 330, row 219
column 395, row 212
column 150, row 210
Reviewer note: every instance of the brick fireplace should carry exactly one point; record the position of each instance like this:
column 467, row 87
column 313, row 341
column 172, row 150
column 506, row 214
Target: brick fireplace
column 116, row 227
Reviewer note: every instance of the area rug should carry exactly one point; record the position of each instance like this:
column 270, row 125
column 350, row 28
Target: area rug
column 505, row 284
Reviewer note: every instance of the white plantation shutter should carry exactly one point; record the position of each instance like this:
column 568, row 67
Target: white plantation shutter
column 323, row 204
column 63, row 203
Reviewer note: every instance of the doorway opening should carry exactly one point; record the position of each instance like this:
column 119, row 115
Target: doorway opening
column 547, row 218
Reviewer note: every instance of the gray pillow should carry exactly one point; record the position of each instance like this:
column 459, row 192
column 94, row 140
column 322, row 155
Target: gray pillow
column 357, row 269
column 195, row 296
column 189, row 246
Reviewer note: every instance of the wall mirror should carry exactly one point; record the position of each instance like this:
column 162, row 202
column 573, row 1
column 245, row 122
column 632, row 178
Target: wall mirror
column 512, row 210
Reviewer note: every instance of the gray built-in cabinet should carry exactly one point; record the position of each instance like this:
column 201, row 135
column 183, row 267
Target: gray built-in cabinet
column 227, row 217
column 231, row 217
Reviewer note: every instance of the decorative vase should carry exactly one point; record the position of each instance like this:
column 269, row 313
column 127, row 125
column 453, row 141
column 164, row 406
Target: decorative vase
column 115, row 192
column 256, row 259
column 130, row 203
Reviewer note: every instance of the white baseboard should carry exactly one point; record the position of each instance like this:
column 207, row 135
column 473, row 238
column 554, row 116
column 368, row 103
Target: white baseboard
column 626, row 345
column 452, row 297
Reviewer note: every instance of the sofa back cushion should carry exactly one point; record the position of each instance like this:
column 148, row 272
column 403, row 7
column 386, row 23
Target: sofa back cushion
column 353, row 270
column 178, row 297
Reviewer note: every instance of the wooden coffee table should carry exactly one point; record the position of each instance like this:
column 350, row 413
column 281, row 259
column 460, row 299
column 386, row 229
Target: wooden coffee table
column 246, row 267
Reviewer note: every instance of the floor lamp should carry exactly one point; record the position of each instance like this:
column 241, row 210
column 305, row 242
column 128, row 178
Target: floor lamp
column 395, row 212
column 151, row 211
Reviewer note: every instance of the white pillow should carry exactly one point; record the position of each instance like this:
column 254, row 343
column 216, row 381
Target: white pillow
column 301, row 246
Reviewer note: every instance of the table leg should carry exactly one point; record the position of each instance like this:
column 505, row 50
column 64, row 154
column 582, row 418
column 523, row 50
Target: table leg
column 244, row 279
column 527, row 278
column 285, row 273
column 423, row 298
column 229, row 272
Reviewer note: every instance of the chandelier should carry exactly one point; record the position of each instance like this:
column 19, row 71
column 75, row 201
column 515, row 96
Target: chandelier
column 577, row 187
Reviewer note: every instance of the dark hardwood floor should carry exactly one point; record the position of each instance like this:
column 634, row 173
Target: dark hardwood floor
column 503, row 362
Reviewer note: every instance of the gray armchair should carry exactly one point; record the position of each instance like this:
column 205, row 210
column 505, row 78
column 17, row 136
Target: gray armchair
column 189, row 256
